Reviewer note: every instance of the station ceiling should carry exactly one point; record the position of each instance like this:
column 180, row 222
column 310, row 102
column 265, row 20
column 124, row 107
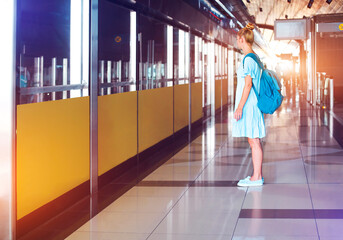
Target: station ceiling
column 266, row 11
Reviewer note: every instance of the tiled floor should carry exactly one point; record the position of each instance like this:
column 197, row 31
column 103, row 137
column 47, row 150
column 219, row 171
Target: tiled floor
column 193, row 195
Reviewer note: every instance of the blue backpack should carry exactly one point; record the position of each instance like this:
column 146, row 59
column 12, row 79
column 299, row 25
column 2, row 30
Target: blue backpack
column 270, row 97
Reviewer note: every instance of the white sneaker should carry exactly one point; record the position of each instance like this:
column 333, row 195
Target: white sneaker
column 247, row 183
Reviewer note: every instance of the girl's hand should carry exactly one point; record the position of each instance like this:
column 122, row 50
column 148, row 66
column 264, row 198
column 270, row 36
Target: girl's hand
column 238, row 114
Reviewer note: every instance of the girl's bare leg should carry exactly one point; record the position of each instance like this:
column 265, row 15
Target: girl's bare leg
column 257, row 156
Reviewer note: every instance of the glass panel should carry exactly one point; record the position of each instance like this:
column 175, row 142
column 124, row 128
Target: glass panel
column 211, row 76
column 154, row 48
column 169, row 56
column 208, row 76
column 195, row 58
column 231, row 67
column 205, row 75
column 116, row 74
column 181, row 56
column 226, row 62
column 187, row 56
column 176, row 55
column 52, row 42
column 218, row 58
column 220, row 66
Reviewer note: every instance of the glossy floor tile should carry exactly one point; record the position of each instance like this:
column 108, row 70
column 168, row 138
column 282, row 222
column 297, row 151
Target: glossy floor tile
column 276, row 227
column 327, row 196
column 193, row 194
column 278, row 196
column 330, row 228
column 106, row 236
column 201, row 222
column 161, row 236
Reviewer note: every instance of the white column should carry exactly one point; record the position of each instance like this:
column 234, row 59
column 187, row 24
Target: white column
column 7, row 120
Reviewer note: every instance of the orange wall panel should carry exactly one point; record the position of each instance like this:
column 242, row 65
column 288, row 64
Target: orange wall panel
column 52, row 151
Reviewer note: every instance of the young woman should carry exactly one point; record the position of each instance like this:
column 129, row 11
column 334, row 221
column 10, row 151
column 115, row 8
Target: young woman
column 248, row 119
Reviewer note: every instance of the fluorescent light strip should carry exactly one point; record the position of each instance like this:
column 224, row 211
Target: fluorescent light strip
column 75, row 44
column 169, row 52
column 187, row 54
column 85, row 45
column 225, row 9
column 240, row 24
column 196, row 57
column 181, row 54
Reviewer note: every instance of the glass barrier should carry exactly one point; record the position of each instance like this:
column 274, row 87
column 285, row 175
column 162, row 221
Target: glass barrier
column 117, row 56
column 181, row 56
column 155, row 54
column 220, row 65
column 52, row 50
column 196, row 59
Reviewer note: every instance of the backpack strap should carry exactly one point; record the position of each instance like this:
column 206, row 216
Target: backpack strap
column 259, row 63
column 255, row 58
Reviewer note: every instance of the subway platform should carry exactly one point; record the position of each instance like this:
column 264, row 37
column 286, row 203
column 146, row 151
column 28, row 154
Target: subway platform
column 192, row 193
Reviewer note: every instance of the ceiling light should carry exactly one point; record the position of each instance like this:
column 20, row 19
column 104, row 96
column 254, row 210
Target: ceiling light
column 328, row 1
column 289, row 1
column 286, row 16
column 309, row 5
column 261, row 10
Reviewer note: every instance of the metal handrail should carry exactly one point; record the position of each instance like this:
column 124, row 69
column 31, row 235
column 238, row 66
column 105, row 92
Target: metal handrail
column 48, row 89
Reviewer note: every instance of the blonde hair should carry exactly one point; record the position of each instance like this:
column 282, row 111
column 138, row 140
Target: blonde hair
column 247, row 33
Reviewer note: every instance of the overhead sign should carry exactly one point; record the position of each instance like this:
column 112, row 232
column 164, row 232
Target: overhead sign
column 329, row 27
column 291, row 29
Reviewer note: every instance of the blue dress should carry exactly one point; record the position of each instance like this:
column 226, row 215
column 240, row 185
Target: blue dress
column 251, row 124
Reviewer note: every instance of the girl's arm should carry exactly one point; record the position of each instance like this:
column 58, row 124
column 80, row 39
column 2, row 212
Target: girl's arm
column 246, row 91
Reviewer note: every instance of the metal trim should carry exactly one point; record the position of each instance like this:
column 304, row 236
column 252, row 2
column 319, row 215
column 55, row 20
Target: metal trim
column 93, row 102
column 48, row 89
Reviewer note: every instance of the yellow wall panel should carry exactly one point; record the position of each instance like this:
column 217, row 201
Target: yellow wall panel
column 117, row 129
column 196, row 101
column 52, row 151
column 218, row 96
column 155, row 116
column 225, row 91
column 181, row 106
